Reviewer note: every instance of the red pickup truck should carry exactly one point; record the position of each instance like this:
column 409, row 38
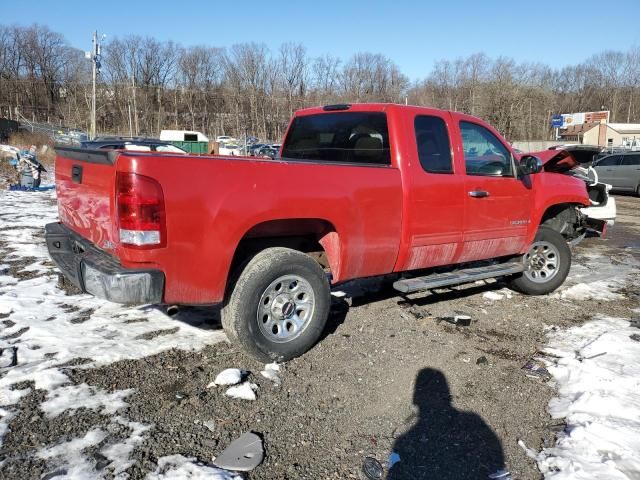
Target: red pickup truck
column 435, row 197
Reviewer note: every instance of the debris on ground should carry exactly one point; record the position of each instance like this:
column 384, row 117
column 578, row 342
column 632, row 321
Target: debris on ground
column 495, row 296
column 500, row 475
column 457, row 319
column 272, row 372
column 229, row 376
column 635, row 337
column 482, row 361
column 244, row 391
column 394, row 457
column 242, row 455
column 536, row 368
column 372, row 468
column 634, row 322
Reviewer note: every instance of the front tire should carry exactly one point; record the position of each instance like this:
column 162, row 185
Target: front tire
column 547, row 264
column 279, row 305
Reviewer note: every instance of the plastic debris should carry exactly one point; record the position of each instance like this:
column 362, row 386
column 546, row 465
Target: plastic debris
column 210, row 425
column 230, row 376
column 394, row 458
column 372, row 468
column 536, row 368
column 244, row 391
column 272, row 372
column 501, row 475
column 242, row 455
column 457, row 319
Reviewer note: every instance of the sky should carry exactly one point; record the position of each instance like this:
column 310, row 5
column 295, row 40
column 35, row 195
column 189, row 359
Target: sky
column 414, row 34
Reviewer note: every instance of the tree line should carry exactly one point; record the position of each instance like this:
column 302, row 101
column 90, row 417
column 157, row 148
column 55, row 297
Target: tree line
column 146, row 85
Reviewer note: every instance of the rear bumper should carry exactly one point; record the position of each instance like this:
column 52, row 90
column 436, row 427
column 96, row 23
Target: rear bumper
column 97, row 273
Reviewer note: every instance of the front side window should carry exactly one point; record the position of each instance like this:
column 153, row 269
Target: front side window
column 631, row 160
column 609, row 161
column 432, row 142
column 484, row 154
column 349, row 137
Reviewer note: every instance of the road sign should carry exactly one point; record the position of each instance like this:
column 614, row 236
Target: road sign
column 557, row 121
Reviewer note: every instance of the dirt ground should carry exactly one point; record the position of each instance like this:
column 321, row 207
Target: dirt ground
column 388, row 377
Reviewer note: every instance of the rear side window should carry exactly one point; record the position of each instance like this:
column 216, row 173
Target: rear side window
column 347, row 137
column 432, row 141
column 609, row 161
column 631, row 160
column 484, row 154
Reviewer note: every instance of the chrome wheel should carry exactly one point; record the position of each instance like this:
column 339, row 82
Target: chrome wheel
column 541, row 262
column 285, row 309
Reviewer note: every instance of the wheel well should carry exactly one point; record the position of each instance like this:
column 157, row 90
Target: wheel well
column 563, row 218
column 315, row 237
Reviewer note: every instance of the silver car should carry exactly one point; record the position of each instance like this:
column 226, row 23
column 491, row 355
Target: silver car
column 621, row 170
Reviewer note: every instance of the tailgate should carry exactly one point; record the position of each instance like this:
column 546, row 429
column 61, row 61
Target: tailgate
column 85, row 184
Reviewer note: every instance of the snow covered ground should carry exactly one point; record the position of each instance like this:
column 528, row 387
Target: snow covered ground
column 596, row 367
column 44, row 330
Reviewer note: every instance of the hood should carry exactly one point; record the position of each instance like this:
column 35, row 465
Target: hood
column 561, row 159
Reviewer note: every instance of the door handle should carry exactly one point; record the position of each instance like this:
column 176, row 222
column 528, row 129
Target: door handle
column 478, row 193
column 76, row 174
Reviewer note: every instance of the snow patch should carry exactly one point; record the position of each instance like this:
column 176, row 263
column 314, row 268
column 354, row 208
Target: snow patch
column 244, row 391
column 178, row 467
column 229, row 376
column 597, row 373
column 272, row 372
column 68, row 456
column 596, row 277
column 120, row 453
column 74, row 397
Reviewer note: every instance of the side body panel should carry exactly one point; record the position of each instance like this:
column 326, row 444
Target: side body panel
column 212, row 202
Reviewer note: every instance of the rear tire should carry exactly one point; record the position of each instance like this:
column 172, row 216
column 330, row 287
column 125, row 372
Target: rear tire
column 547, row 264
column 279, row 305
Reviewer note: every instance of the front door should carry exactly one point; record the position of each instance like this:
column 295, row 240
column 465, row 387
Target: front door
column 497, row 202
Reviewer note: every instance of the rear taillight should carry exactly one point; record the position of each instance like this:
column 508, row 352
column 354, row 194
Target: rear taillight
column 141, row 214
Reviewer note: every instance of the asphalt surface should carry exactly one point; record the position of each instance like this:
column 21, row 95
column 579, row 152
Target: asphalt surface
column 388, row 377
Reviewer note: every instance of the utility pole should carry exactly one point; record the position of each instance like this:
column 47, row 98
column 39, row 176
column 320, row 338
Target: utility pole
column 94, row 56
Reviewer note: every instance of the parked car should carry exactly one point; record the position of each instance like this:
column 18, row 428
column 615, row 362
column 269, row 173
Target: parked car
column 132, row 143
column 268, row 152
column 432, row 197
column 229, row 149
column 253, row 149
column 621, row 171
column 225, row 139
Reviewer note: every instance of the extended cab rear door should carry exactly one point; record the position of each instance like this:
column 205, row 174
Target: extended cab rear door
column 433, row 186
column 498, row 204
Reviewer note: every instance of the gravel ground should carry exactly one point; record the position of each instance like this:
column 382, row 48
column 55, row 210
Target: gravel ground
column 388, row 376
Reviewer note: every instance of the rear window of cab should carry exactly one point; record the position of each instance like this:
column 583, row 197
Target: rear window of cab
column 341, row 137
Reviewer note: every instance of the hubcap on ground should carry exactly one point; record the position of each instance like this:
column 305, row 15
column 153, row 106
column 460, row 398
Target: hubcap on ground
column 541, row 262
column 285, row 308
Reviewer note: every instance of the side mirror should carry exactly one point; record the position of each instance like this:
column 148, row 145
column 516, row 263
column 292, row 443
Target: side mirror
column 529, row 165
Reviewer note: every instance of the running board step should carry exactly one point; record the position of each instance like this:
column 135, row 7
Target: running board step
column 436, row 280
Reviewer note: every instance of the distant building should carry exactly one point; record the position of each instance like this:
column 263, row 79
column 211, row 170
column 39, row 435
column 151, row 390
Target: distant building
column 603, row 134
